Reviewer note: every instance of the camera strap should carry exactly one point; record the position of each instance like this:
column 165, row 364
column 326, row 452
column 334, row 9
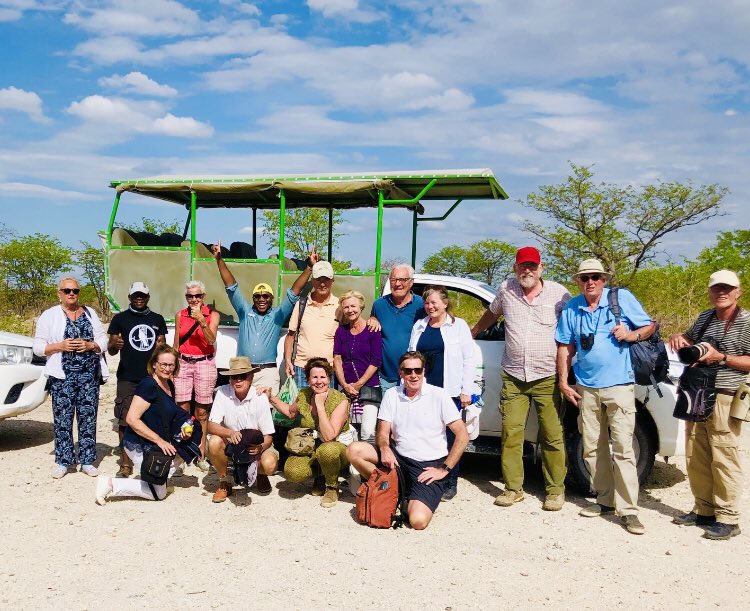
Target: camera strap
column 727, row 325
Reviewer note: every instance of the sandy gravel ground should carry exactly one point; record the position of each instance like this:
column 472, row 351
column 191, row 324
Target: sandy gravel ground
column 284, row 551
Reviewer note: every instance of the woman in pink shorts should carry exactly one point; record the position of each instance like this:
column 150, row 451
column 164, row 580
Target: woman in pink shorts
column 194, row 338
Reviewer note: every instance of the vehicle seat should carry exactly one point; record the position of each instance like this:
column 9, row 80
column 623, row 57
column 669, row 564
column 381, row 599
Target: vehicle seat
column 242, row 250
column 122, row 237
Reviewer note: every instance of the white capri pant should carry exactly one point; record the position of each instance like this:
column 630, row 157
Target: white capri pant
column 369, row 421
column 136, row 487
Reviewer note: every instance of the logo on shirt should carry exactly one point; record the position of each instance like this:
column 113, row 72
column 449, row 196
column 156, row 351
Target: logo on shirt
column 142, row 338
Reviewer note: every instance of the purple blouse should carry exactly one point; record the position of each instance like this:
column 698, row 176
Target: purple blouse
column 358, row 352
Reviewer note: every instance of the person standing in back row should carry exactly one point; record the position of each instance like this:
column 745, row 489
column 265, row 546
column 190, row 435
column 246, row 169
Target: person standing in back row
column 531, row 307
column 134, row 333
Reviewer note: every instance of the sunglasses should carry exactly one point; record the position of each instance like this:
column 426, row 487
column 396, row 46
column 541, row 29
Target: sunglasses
column 594, row 277
column 139, row 296
column 69, row 291
column 196, row 296
column 410, row 370
column 262, row 296
column 239, row 376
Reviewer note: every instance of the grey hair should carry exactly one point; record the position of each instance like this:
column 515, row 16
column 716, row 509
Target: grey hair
column 64, row 279
column 195, row 284
column 404, row 266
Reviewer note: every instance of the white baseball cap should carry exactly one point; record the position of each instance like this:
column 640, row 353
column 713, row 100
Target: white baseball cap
column 322, row 269
column 138, row 287
column 724, row 276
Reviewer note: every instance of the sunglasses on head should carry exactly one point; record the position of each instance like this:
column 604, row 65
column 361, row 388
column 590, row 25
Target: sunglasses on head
column 197, row 296
column 69, row 291
column 410, row 370
column 594, row 277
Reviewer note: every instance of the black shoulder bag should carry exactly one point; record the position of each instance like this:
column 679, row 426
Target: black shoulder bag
column 696, row 391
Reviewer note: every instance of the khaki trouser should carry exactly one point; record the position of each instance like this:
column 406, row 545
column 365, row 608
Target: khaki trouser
column 713, row 463
column 514, row 407
column 609, row 414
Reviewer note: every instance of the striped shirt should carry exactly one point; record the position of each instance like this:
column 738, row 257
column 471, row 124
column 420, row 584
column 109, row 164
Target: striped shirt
column 530, row 347
column 734, row 342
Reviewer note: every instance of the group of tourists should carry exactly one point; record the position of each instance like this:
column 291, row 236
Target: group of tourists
column 389, row 390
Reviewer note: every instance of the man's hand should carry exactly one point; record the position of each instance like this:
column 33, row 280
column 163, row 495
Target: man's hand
column 255, row 450
column 432, row 474
column 234, row 437
column 465, row 400
column 388, row 458
column 677, row 341
column 711, row 357
column 117, row 342
column 216, row 250
column 570, row 394
column 289, row 368
column 313, row 257
column 620, row 332
column 373, row 324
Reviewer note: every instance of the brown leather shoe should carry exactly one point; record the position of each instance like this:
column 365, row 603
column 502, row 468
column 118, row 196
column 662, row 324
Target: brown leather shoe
column 222, row 492
column 263, row 484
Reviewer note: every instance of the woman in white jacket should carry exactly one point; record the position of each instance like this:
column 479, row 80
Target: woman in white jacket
column 446, row 342
column 72, row 338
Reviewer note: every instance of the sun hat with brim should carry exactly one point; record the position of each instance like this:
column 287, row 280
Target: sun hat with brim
column 591, row 266
column 239, row 365
column 724, row 276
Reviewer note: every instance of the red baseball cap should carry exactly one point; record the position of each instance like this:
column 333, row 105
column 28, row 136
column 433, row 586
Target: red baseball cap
column 528, row 254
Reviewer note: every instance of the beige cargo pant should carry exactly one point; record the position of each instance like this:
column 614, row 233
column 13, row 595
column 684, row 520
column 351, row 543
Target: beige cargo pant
column 609, row 414
column 713, row 463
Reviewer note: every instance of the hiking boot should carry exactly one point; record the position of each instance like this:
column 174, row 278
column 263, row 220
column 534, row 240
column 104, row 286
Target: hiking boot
column 721, row 532
column 509, row 497
column 554, row 502
column 222, row 492
column 263, row 484
column 596, row 510
column 633, row 524
column 693, row 519
column 125, row 471
column 450, row 491
column 331, row 497
column 319, row 486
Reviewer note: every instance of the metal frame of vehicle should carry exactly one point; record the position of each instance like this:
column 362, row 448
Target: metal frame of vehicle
column 22, row 384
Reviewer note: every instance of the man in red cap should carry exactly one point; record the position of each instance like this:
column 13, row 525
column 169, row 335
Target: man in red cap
column 531, row 307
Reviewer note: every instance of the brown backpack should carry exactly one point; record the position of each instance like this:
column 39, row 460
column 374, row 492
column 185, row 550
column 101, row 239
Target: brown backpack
column 380, row 500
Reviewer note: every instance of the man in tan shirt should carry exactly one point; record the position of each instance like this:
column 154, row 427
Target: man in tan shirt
column 317, row 327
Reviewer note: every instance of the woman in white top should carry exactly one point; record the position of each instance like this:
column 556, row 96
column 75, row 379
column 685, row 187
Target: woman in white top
column 72, row 338
column 445, row 341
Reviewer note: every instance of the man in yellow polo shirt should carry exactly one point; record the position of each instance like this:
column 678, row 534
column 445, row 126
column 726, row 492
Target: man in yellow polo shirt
column 314, row 332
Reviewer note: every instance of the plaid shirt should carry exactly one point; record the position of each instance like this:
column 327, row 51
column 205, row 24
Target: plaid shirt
column 530, row 348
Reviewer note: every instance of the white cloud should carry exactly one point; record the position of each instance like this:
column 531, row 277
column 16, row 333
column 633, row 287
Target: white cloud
column 242, row 7
column 137, row 18
column 19, row 189
column 129, row 116
column 137, row 82
column 347, row 10
column 28, row 102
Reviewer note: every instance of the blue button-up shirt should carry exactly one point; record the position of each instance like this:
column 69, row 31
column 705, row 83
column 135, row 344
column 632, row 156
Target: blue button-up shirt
column 259, row 333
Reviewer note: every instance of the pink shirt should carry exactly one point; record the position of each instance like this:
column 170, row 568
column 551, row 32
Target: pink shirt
column 530, row 348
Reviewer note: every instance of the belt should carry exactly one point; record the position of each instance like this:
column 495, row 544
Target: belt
column 729, row 393
column 196, row 359
column 264, row 365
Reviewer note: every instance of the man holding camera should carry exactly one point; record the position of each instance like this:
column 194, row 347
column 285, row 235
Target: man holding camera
column 603, row 391
column 723, row 337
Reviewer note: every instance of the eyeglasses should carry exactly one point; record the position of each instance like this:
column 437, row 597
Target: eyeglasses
column 529, row 265
column 410, row 370
column 262, row 296
column 188, row 296
column 166, row 365
column 239, row 376
column 401, row 280
column 594, row 277
column 69, row 291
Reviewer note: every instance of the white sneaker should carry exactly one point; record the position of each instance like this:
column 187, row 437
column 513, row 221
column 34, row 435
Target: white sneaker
column 203, row 465
column 178, row 471
column 59, row 471
column 103, row 489
column 89, row 470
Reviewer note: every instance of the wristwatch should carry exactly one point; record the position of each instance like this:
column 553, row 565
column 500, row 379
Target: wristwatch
column 446, row 467
column 723, row 361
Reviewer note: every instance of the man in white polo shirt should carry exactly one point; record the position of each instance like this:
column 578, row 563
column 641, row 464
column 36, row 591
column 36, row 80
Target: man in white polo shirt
column 411, row 436
column 238, row 407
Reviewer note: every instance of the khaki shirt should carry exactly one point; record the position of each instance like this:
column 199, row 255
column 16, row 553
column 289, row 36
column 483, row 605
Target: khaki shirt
column 318, row 329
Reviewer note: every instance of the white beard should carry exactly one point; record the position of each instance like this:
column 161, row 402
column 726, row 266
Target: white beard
column 528, row 282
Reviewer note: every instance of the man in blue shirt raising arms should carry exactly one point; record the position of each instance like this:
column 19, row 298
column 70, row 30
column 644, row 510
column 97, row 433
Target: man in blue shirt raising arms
column 260, row 322
column 604, row 391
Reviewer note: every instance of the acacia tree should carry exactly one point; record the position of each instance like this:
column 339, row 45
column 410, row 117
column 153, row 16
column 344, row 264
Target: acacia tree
column 620, row 226
column 91, row 261
column 489, row 261
column 448, row 261
column 155, row 226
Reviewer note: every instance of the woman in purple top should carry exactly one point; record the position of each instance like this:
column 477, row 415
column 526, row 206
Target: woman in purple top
column 357, row 356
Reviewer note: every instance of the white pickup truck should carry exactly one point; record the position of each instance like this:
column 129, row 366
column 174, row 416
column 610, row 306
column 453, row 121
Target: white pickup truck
column 21, row 380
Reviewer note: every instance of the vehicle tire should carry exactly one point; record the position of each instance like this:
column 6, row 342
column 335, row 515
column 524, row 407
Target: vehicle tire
column 644, row 445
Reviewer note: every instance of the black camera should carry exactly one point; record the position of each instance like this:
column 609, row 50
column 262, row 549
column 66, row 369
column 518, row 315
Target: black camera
column 587, row 341
column 691, row 354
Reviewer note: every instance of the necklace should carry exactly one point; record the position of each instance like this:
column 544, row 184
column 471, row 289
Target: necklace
column 72, row 314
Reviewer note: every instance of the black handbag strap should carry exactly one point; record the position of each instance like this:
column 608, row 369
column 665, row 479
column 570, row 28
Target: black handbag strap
column 302, row 306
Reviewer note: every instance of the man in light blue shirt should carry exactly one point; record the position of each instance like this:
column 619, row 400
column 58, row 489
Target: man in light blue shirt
column 260, row 322
column 604, row 391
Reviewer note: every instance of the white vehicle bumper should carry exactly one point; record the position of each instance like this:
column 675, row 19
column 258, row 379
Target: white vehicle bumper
column 27, row 379
column 671, row 430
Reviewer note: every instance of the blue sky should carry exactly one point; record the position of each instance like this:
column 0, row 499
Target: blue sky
column 94, row 91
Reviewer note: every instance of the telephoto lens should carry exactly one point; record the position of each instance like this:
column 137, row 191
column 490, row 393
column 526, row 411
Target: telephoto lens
column 690, row 354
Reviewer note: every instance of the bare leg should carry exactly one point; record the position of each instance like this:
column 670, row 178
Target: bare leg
column 363, row 457
column 419, row 515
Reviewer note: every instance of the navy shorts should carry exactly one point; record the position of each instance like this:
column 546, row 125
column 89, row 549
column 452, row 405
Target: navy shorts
column 429, row 494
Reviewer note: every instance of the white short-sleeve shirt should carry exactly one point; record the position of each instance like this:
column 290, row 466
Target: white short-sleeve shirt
column 418, row 424
column 253, row 412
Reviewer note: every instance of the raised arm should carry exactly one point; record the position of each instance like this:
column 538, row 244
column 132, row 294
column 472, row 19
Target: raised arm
column 304, row 277
column 226, row 276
